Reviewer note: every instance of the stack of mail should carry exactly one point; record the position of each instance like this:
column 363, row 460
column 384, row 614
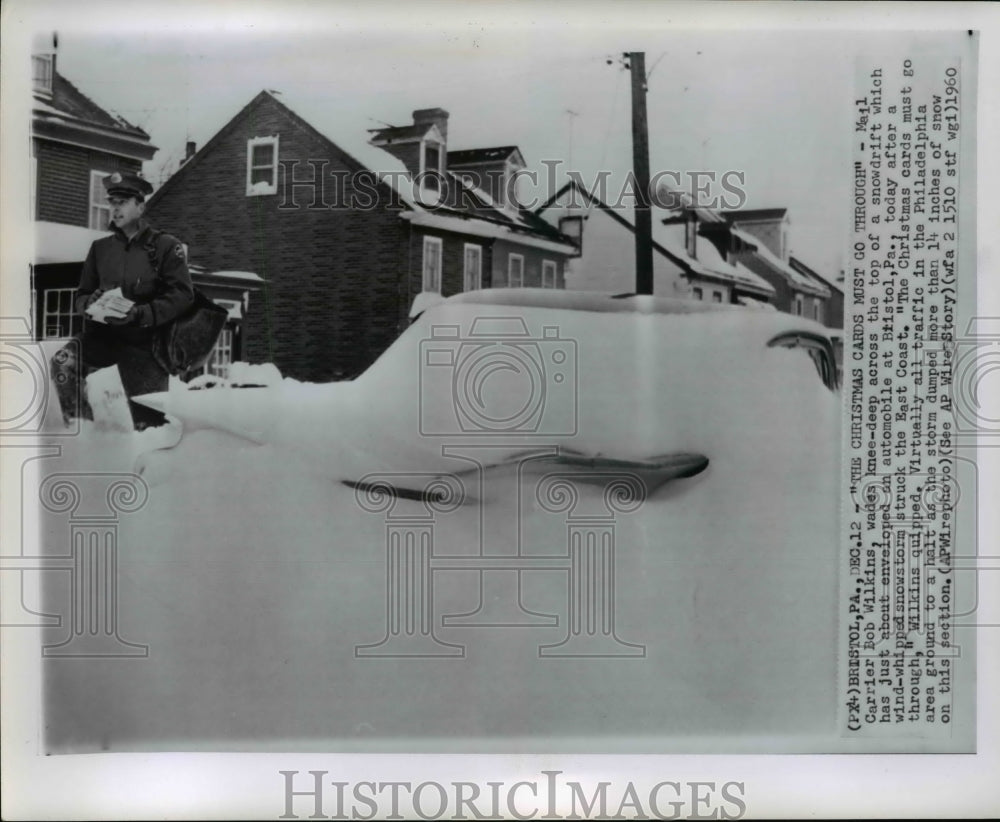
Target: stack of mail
column 109, row 304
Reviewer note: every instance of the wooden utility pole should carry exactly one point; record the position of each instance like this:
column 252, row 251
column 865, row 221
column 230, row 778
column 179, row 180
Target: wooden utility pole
column 640, row 167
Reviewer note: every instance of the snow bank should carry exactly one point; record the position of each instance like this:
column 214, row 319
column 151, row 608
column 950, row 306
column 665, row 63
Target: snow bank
column 252, row 573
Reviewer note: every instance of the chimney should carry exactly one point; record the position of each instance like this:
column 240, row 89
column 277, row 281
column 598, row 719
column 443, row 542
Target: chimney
column 433, row 116
column 189, row 151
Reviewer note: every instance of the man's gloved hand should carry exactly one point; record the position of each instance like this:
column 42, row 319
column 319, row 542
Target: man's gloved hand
column 132, row 318
column 93, row 298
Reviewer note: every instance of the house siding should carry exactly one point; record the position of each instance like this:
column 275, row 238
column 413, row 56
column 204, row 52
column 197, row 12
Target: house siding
column 63, row 184
column 332, row 300
column 533, row 258
column 339, row 280
column 452, row 261
column 834, row 310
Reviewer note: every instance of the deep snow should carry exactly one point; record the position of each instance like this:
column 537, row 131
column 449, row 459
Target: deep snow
column 252, row 572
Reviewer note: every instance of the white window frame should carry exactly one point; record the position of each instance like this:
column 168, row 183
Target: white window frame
column 431, row 278
column 57, row 303
column 510, row 271
column 221, row 357
column 549, row 267
column 717, row 295
column 428, row 180
column 41, row 74
column 262, row 189
column 101, row 204
column 798, row 305
column 817, row 310
column 472, row 276
column 697, row 292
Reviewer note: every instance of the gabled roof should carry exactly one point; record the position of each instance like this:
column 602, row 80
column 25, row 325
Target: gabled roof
column 471, row 156
column 67, row 100
column 68, row 115
column 795, row 278
column 464, row 211
column 667, row 246
column 714, row 221
column 800, row 266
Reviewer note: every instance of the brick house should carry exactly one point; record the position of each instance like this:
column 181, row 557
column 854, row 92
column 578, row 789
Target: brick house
column 347, row 225
column 74, row 144
column 681, row 267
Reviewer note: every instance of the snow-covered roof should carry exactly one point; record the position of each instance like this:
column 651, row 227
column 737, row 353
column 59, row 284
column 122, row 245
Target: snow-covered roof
column 709, row 262
column 800, row 266
column 59, row 243
column 237, row 275
column 484, row 228
column 348, row 130
column 752, row 215
column 481, row 155
column 796, row 278
column 507, row 211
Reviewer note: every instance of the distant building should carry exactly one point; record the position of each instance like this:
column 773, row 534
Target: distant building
column 833, row 316
column 348, row 226
column 683, row 267
column 74, row 144
column 761, row 237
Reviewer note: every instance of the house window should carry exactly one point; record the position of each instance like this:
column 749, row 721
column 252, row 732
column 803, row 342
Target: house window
column 431, row 166
column 691, row 236
column 59, row 320
column 41, row 73
column 798, row 305
column 548, row 274
column 222, row 355
column 515, row 271
column 262, row 166
column 432, row 264
column 100, row 210
column 473, row 279
column 697, row 293
column 817, row 310
column 716, row 296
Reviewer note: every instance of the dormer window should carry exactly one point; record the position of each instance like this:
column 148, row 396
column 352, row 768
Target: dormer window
column 262, row 166
column 430, row 165
column 41, row 74
column 691, row 236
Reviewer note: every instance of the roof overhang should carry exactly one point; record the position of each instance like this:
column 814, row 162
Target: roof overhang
column 60, row 243
column 76, row 132
column 487, row 230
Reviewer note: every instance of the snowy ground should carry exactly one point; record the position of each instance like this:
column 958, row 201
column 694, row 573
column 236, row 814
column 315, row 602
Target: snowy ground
column 252, row 572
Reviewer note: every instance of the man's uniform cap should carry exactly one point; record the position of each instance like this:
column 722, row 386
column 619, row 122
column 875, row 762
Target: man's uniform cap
column 127, row 184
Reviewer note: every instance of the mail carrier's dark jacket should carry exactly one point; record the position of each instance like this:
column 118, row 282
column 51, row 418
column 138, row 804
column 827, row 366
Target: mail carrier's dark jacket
column 162, row 293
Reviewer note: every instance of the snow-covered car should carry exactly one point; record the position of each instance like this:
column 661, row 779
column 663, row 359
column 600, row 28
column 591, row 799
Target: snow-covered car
column 540, row 519
column 622, row 378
